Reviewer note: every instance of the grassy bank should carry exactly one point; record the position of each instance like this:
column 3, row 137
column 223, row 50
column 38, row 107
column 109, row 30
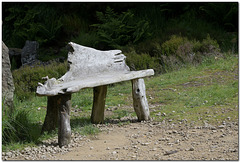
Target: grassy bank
column 207, row 93
column 204, row 93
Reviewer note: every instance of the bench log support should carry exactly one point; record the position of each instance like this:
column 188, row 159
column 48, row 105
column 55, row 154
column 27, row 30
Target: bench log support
column 90, row 68
column 51, row 119
column 58, row 115
column 99, row 98
column 64, row 129
column 140, row 103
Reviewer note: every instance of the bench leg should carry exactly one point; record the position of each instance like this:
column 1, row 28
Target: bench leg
column 99, row 99
column 140, row 103
column 51, row 119
column 64, row 129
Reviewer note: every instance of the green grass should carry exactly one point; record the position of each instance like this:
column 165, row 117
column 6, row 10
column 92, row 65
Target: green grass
column 83, row 99
column 120, row 113
column 83, row 125
column 208, row 92
column 197, row 94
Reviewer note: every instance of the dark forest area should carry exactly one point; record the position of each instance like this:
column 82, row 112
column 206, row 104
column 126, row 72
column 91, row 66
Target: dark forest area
column 161, row 36
column 107, row 25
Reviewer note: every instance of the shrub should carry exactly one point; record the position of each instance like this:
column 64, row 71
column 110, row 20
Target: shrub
column 209, row 46
column 142, row 61
column 150, row 46
column 170, row 46
column 26, row 78
column 187, row 51
column 172, row 54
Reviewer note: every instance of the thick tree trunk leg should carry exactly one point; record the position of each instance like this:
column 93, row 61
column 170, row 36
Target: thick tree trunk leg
column 99, row 99
column 64, row 129
column 51, row 119
column 140, row 103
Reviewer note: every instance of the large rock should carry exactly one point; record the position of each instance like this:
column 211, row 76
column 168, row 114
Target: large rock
column 7, row 79
column 29, row 52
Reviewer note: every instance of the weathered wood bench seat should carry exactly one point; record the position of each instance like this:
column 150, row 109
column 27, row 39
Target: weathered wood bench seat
column 88, row 68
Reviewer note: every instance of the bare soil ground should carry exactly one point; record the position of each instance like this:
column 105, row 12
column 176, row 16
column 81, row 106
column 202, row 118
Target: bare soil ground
column 157, row 141
column 152, row 141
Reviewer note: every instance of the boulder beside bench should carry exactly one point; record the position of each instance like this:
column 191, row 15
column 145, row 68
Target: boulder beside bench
column 90, row 68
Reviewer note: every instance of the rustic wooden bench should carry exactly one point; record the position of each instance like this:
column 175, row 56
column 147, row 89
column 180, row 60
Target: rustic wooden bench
column 88, row 67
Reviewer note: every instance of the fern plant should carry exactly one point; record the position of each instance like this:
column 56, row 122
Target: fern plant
column 120, row 29
column 31, row 22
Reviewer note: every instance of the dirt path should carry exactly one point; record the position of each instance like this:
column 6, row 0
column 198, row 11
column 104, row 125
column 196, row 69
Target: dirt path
column 158, row 141
column 143, row 141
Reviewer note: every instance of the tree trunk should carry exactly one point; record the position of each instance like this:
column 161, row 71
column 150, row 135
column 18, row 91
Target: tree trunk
column 140, row 103
column 64, row 129
column 99, row 99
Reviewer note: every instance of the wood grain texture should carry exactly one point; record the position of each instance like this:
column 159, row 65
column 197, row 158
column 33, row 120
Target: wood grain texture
column 99, row 99
column 51, row 119
column 89, row 67
column 64, row 129
column 140, row 103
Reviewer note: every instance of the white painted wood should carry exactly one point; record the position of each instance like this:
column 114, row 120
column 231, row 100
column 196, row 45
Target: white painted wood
column 140, row 103
column 90, row 68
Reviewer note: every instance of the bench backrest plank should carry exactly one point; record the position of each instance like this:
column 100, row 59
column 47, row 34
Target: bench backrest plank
column 89, row 67
column 85, row 61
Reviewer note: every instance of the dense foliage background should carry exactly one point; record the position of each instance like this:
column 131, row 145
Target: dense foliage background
column 108, row 25
column 162, row 36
